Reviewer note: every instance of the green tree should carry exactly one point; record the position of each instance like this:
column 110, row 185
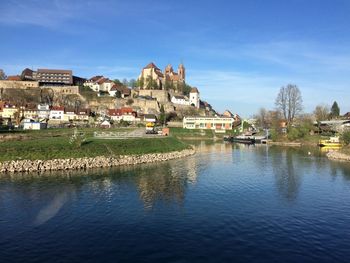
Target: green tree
column 186, row 89
column 140, row 82
column 335, row 111
column 118, row 94
column 168, row 85
column 162, row 116
column 117, row 81
column 130, row 102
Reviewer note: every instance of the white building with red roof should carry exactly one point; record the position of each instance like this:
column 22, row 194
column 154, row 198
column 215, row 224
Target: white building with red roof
column 56, row 113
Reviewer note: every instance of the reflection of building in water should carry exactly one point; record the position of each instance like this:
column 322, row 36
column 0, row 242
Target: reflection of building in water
column 191, row 167
column 157, row 183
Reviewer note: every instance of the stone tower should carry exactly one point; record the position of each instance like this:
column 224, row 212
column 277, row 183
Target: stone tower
column 181, row 72
column 168, row 70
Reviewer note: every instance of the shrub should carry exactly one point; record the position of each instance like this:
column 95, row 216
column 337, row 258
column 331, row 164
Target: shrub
column 293, row 134
column 274, row 135
column 346, row 137
column 77, row 139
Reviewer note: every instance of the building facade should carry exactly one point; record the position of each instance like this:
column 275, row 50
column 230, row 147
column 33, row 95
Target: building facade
column 194, row 98
column 53, row 76
column 181, row 100
column 208, row 123
column 152, row 77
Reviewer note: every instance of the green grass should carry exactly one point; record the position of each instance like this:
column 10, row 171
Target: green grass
column 59, row 147
column 59, row 132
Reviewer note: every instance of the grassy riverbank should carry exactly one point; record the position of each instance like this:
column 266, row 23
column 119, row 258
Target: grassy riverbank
column 58, row 147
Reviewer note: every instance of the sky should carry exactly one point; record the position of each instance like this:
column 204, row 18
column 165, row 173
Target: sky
column 237, row 52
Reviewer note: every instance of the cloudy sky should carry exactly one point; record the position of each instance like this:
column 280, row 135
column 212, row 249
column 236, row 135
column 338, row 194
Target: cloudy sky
column 238, row 53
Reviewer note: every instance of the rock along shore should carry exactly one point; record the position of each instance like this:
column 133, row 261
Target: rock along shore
column 334, row 155
column 89, row 162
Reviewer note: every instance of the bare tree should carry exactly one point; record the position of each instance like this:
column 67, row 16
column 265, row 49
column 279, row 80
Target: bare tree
column 321, row 112
column 2, row 75
column 47, row 96
column 289, row 102
column 262, row 117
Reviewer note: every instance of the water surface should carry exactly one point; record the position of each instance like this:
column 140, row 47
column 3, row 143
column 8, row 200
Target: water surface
column 224, row 204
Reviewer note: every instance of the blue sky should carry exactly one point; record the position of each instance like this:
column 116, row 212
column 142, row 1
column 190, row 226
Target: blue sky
column 238, row 53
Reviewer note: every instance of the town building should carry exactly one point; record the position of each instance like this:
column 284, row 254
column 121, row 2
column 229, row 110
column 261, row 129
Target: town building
column 180, row 99
column 124, row 92
column 31, row 112
column 208, row 123
column 83, row 114
column 33, row 125
column 228, row 114
column 152, row 77
column 124, row 113
column 99, row 83
column 194, row 98
column 43, row 111
column 9, row 111
column 53, row 76
column 69, row 114
column 56, row 113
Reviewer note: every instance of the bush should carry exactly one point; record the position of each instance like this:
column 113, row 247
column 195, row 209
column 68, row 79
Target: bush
column 274, row 135
column 297, row 133
column 77, row 139
column 346, row 137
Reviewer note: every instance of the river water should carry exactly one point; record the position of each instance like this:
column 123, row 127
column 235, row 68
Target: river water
column 227, row 203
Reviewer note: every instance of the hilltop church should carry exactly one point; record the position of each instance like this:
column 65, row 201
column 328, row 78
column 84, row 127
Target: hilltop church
column 152, row 77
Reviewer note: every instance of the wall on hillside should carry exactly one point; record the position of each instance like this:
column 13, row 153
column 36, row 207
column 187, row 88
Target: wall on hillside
column 63, row 89
column 162, row 96
column 148, row 106
column 13, row 84
column 108, row 103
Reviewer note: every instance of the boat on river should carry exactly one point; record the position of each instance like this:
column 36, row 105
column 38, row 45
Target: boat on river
column 332, row 142
column 240, row 139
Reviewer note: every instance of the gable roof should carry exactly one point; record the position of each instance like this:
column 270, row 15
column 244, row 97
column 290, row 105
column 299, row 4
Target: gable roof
column 194, row 90
column 16, row 78
column 95, row 78
column 57, row 108
column 151, row 65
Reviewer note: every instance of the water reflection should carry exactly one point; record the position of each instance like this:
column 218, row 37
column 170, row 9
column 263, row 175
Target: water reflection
column 288, row 180
column 165, row 183
column 53, row 207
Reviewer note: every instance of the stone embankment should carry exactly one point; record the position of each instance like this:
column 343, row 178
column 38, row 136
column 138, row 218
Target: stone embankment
column 89, row 162
column 335, row 155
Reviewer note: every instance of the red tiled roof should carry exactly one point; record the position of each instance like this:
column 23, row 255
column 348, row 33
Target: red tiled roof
column 122, row 89
column 114, row 112
column 126, row 110
column 95, row 78
column 151, row 65
column 16, row 77
column 57, row 108
column 104, row 80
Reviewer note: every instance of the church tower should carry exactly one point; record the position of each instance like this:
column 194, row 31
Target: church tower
column 169, row 70
column 181, row 72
